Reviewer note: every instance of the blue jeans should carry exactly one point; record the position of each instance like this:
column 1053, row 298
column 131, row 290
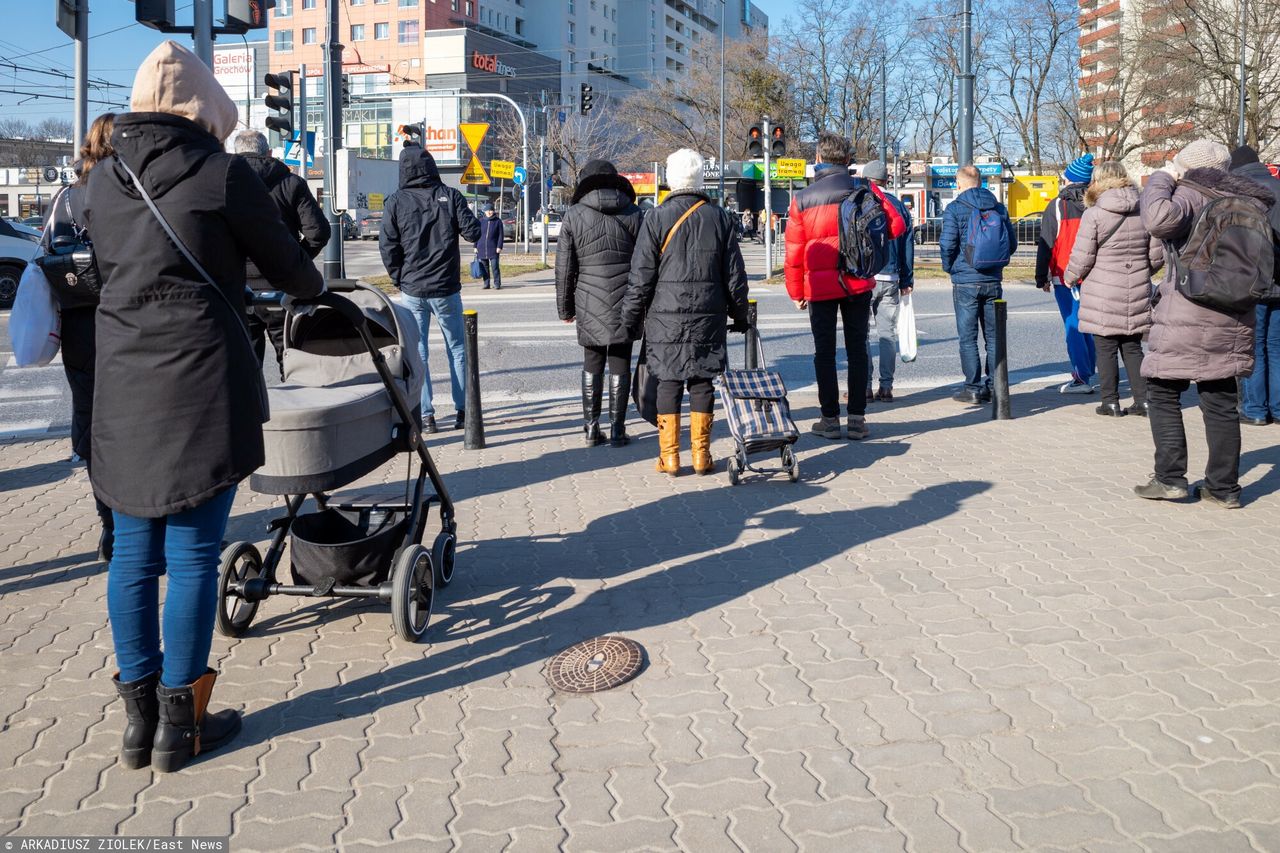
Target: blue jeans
column 185, row 546
column 1262, row 387
column 1080, row 349
column 976, row 311
column 884, row 309
column 448, row 312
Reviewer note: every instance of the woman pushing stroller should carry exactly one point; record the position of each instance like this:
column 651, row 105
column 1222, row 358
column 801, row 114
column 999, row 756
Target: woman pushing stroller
column 179, row 401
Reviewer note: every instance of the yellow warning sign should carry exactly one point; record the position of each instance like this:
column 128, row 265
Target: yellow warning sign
column 376, row 201
column 790, row 169
column 502, row 170
column 475, row 173
column 474, row 134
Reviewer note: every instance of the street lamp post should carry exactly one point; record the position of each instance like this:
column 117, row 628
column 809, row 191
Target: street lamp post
column 720, row 156
column 965, row 141
column 1241, row 132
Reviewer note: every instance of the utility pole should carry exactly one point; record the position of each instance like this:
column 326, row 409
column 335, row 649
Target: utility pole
column 332, row 142
column 768, row 205
column 1244, row 100
column 80, row 121
column 884, row 113
column 965, row 145
column 302, row 120
column 720, row 155
column 202, row 30
column 542, row 192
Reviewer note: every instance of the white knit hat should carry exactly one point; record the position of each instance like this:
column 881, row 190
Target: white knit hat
column 1203, row 154
column 684, row 170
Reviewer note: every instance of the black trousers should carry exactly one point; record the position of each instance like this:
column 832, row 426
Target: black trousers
column 1218, row 398
column 267, row 323
column 79, row 350
column 1109, row 349
column 702, row 395
column 492, row 266
column 618, row 357
column 854, row 312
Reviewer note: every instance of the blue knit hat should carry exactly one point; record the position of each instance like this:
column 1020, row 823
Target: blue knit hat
column 1080, row 171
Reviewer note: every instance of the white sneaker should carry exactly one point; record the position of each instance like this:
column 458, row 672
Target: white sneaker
column 1074, row 387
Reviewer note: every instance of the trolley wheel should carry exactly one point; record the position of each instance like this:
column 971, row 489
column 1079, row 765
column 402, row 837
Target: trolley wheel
column 790, row 464
column 442, row 554
column 735, row 470
column 240, row 562
column 412, row 593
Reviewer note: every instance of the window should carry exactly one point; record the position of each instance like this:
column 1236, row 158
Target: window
column 356, row 2
column 381, row 32
column 453, row 5
column 519, row 27
column 572, row 7
column 308, row 4
column 573, row 60
column 404, row 4
column 309, row 35
column 357, row 32
column 284, row 9
column 284, row 41
column 471, row 9
column 572, row 30
column 407, row 32
column 593, row 29
column 379, row 2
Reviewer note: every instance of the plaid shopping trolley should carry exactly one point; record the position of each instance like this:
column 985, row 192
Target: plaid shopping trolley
column 755, row 405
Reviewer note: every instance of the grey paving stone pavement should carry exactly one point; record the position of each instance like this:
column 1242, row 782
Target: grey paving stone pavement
column 959, row 635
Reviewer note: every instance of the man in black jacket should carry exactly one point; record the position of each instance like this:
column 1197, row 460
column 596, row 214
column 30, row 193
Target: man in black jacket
column 421, row 223
column 302, row 215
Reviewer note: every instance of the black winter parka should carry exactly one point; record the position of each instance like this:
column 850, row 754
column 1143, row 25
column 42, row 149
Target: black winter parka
column 593, row 260
column 302, row 214
column 683, row 297
column 177, row 409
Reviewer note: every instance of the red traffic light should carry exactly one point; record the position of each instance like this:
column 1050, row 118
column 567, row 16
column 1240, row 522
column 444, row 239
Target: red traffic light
column 755, row 141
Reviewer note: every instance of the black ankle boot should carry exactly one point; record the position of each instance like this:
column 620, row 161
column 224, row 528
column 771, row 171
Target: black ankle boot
column 592, row 392
column 186, row 728
column 619, row 400
column 142, row 710
column 1112, row 410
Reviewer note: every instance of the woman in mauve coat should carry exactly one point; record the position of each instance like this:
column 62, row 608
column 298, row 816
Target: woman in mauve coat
column 1112, row 261
column 179, row 400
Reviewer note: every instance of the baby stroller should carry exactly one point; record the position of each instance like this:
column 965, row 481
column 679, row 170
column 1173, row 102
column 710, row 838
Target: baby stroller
column 347, row 405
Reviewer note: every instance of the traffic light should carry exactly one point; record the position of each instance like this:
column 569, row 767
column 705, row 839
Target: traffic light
column 904, row 168
column 245, row 15
column 281, row 103
column 585, row 98
column 778, row 142
column 755, row 141
column 346, row 90
column 410, row 134
column 157, row 14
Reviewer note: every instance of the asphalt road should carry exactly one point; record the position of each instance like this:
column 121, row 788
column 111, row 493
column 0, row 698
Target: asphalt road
column 526, row 353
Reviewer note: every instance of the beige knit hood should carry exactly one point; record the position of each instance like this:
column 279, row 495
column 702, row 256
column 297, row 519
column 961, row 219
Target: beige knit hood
column 173, row 80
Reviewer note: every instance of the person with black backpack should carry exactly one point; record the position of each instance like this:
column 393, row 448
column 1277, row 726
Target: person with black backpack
column 977, row 242
column 840, row 236
column 1217, row 246
column 1260, row 390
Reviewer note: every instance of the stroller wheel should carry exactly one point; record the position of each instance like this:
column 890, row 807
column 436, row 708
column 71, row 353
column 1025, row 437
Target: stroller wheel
column 790, row 464
column 412, row 593
column 442, row 553
column 240, row 562
column 735, row 470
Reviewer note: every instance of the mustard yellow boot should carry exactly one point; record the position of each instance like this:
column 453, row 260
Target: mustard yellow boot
column 669, row 444
column 700, row 442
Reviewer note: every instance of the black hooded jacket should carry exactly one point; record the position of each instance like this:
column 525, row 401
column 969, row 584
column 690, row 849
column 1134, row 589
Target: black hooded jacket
column 299, row 209
column 178, row 402
column 593, row 260
column 421, row 223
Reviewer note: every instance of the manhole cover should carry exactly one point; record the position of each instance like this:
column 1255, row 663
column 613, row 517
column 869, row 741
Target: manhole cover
column 597, row 664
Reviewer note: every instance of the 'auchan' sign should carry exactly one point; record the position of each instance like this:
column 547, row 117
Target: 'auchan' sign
column 491, row 63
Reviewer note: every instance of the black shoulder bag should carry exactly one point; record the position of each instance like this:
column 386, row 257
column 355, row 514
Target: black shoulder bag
column 68, row 261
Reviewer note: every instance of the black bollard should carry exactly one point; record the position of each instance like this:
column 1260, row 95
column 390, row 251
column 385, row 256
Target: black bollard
column 1000, row 410
column 752, row 336
column 473, row 435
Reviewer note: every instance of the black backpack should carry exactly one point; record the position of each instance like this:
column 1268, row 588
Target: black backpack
column 1228, row 260
column 865, row 243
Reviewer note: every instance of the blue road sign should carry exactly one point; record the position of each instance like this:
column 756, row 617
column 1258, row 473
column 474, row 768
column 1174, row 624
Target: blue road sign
column 549, row 184
column 291, row 150
column 987, row 170
column 560, row 115
column 521, row 176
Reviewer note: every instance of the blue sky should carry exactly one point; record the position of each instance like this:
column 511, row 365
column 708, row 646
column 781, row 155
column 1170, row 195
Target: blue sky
column 32, row 39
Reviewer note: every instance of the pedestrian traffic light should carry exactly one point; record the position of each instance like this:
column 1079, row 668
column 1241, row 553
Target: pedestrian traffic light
column 755, row 141
column 245, row 15
column 778, row 142
column 157, row 14
column 410, row 134
column 346, row 90
column 585, row 98
column 280, row 103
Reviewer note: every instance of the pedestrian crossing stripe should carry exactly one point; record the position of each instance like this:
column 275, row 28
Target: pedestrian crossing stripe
column 475, row 173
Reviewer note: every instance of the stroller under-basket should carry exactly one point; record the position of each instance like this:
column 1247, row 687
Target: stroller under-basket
column 347, row 405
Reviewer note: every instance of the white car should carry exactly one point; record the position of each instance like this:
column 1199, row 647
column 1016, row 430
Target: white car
column 17, row 246
column 553, row 228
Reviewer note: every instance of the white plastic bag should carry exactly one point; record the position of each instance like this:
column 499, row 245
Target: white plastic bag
column 35, row 324
column 907, row 340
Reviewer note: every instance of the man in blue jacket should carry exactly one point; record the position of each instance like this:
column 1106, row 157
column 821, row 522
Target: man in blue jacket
column 966, row 234
column 893, row 282
column 421, row 223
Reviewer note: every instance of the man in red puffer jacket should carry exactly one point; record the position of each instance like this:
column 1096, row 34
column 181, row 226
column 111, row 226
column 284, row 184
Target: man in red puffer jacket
column 814, row 282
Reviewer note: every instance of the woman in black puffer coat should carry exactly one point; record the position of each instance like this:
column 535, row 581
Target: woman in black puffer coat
column 687, row 280
column 593, row 259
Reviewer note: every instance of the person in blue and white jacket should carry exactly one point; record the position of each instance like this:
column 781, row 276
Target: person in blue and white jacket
column 893, row 282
